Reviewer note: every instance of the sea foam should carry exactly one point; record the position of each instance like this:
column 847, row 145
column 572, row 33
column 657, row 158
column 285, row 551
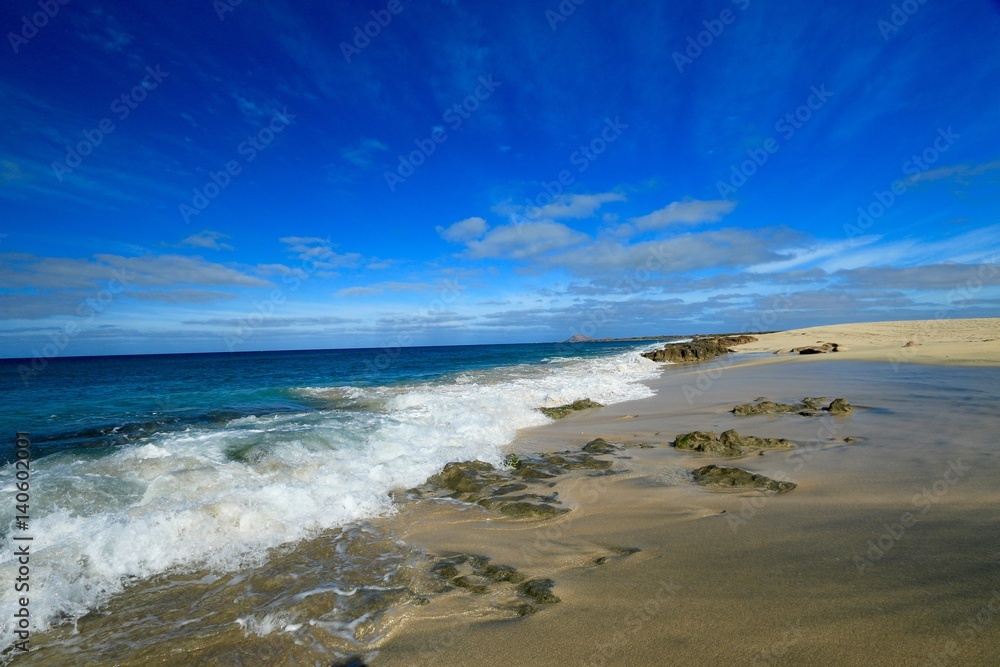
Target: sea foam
column 221, row 497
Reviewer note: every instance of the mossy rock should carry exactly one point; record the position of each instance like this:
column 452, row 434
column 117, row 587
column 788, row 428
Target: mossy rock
column 563, row 410
column 599, row 446
column 738, row 478
column 540, row 590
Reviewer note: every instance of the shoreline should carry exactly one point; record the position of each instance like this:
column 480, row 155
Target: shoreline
column 790, row 600
column 648, row 565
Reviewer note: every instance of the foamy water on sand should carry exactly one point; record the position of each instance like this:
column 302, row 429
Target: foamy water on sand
column 211, row 498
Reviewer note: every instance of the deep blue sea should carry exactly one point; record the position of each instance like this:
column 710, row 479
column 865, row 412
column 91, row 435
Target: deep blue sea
column 135, row 455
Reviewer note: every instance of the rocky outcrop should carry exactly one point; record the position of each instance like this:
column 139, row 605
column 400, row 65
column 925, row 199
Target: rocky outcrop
column 729, row 443
column 808, row 407
column 698, row 349
column 539, row 590
column 579, row 338
column 563, row 410
column 839, row 406
column 522, row 489
column 713, row 475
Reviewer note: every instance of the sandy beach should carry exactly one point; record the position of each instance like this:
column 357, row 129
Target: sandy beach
column 970, row 342
column 885, row 554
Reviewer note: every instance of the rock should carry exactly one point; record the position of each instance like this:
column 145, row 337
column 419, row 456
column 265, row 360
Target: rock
column 470, row 585
column 912, row 343
column 738, row 478
column 808, row 407
column 540, row 590
column 563, row 410
column 698, row 349
column 445, row 569
column 499, row 489
column 509, row 488
column 534, row 471
column 522, row 609
column 839, row 406
column 766, row 408
column 502, row 573
column 522, row 509
column 729, row 443
column 816, row 349
column 465, row 477
column 599, row 446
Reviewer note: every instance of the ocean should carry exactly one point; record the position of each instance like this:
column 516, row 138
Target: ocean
column 161, row 470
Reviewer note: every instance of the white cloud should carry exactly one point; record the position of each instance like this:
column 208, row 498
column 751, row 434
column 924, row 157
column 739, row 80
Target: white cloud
column 688, row 212
column 575, row 206
column 208, row 239
column 180, row 295
column 320, row 253
column 726, row 248
column 524, row 241
column 358, row 291
column 464, row 230
column 387, row 286
column 29, row 271
column 956, row 172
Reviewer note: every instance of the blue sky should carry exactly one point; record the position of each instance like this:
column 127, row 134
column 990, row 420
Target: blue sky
column 242, row 175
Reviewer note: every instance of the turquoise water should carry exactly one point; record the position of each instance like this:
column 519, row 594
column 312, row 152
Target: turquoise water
column 251, row 451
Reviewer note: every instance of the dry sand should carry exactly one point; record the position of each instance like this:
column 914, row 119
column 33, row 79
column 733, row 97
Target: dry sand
column 887, row 553
column 971, row 342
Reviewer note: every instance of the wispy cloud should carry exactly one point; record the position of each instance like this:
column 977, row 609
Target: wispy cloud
column 387, row 286
column 208, row 239
column 363, row 153
column 464, row 230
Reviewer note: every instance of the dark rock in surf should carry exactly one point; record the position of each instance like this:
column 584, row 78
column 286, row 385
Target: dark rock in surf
column 713, row 475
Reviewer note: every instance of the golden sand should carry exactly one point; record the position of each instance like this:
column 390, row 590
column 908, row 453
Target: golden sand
column 887, row 553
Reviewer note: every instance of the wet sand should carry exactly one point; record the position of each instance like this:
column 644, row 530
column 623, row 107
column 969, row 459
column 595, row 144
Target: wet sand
column 887, row 553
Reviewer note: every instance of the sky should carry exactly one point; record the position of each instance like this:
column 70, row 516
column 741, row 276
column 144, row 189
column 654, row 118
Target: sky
column 238, row 175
